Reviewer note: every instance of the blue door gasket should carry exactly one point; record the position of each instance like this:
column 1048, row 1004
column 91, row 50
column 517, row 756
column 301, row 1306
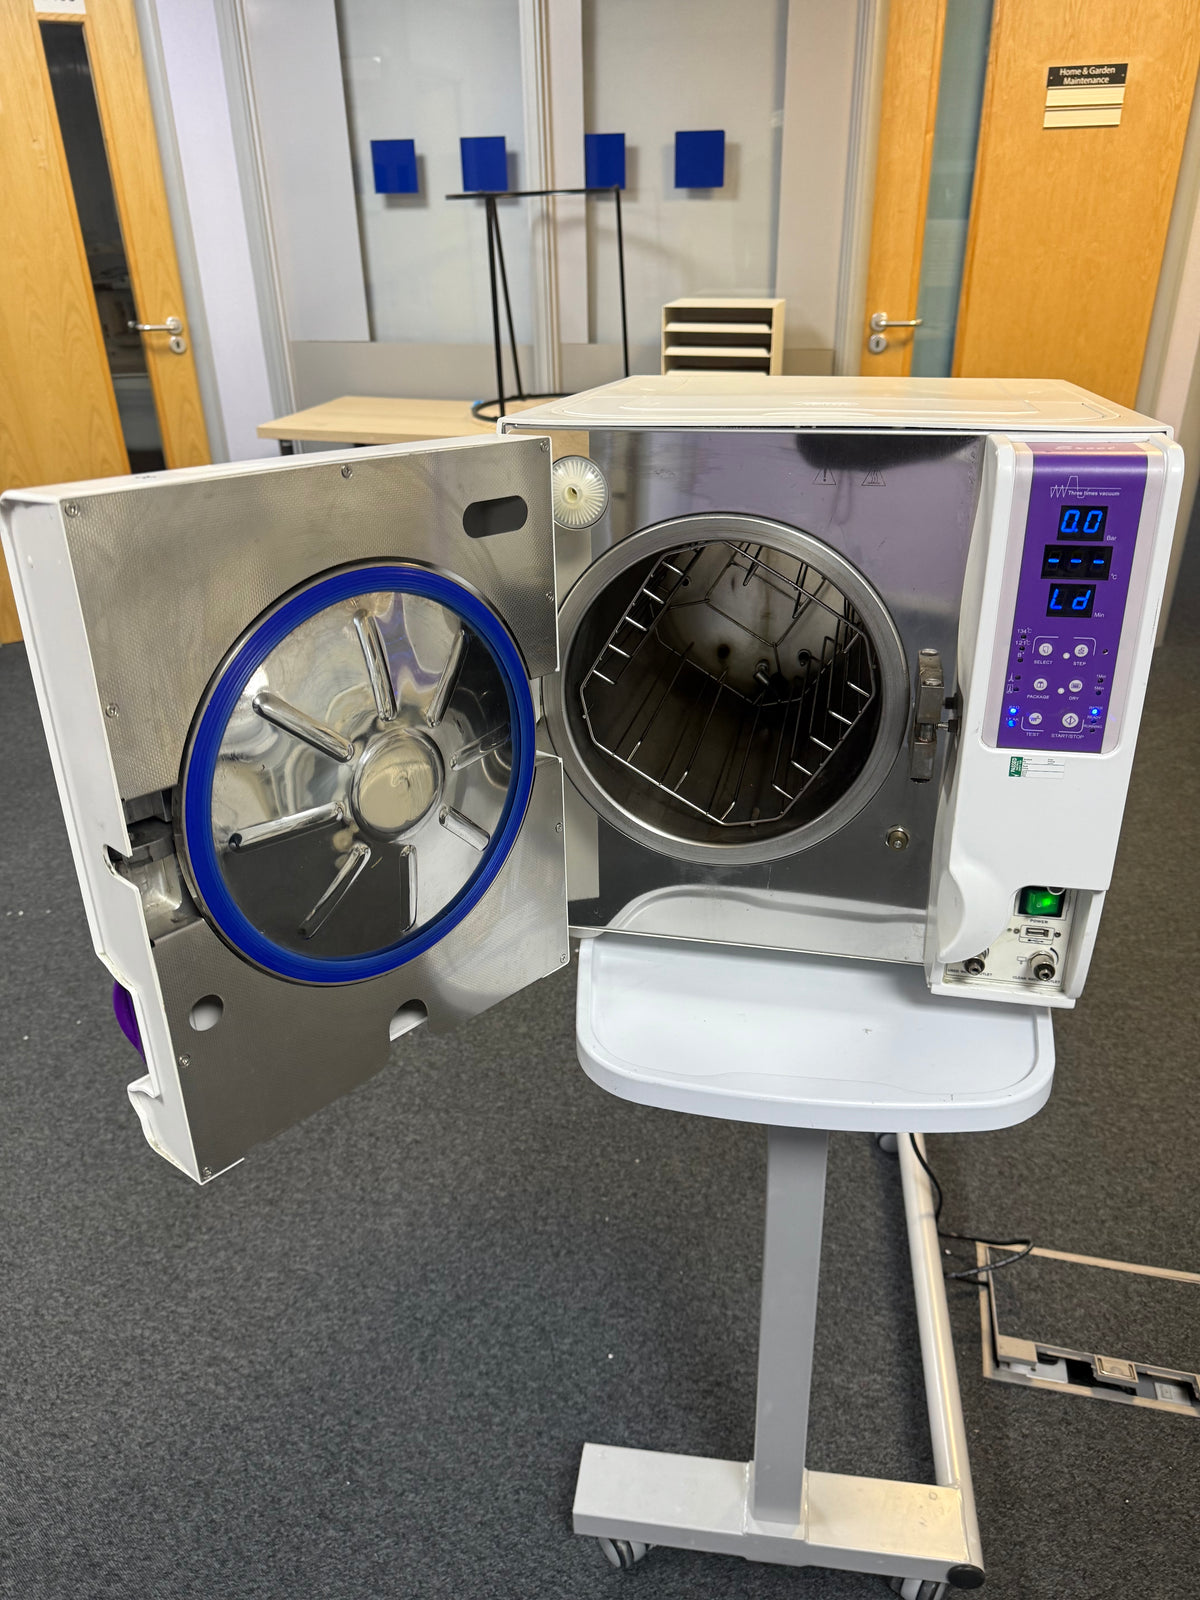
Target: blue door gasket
column 201, row 763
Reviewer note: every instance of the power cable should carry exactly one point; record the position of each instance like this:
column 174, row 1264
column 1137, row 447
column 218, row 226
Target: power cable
column 1020, row 1247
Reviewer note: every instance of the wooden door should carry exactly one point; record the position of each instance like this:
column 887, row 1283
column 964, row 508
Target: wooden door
column 907, row 120
column 1068, row 224
column 59, row 414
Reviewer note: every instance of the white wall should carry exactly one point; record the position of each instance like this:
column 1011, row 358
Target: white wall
column 818, row 95
column 435, row 71
column 1170, row 380
column 327, row 76
column 296, row 84
column 199, row 108
column 651, row 68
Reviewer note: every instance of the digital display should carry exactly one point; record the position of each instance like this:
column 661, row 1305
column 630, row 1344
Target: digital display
column 1083, row 522
column 1071, row 600
column 1076, row 561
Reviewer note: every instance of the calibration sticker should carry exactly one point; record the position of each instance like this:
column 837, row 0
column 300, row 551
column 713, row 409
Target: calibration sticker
column 1036, row 767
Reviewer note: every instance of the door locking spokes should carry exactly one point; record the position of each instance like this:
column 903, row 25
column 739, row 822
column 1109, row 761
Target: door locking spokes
column 932, row 706
column 173, row 326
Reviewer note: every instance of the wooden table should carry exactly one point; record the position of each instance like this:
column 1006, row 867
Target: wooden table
column 363, row 419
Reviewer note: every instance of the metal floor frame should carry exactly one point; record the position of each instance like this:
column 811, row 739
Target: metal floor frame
column 775, row 1508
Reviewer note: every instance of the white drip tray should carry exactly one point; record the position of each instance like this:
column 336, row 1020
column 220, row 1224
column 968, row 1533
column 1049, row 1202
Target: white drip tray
column 803, row 1041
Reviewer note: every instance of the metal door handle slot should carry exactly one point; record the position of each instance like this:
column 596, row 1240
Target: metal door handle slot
column 740, row 745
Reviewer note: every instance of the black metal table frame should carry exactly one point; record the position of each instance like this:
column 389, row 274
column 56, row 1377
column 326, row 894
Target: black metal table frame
column 496, row 259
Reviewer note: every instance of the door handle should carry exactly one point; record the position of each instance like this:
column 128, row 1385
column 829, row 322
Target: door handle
column 880, row 320
column 173, row 326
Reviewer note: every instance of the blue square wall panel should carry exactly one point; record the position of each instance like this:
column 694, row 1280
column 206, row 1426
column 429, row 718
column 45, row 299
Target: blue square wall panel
column 700, row 159
column 604, row 160
column 484, row 165
column 395, row 164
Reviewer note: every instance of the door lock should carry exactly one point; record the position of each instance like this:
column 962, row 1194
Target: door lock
column 173, row 326
column 878, row 341
column 927, row 719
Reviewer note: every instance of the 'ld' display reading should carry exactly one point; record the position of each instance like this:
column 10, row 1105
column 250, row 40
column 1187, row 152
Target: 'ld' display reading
column 1083, row 522
column 1071, row 600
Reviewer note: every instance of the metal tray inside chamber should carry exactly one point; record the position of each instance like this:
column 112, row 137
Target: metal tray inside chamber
column 724, row 690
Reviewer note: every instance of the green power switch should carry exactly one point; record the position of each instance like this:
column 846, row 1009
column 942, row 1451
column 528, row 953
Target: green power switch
column 1041, row 902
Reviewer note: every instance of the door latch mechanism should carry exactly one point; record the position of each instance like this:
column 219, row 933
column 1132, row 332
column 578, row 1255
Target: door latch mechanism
column 932, row 706
column 173, row 326
column 878, row 341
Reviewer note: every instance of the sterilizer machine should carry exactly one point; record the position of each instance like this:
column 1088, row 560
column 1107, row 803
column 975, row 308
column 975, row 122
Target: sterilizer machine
column 850, row 667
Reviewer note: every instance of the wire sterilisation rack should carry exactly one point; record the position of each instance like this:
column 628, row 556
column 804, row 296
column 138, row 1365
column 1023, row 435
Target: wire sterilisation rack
column 733, row 686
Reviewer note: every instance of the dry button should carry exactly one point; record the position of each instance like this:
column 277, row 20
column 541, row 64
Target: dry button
column 1075, row 685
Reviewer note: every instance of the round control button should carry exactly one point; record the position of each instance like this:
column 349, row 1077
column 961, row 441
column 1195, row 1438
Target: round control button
column 1070, row 720
column 1075, row 685
column 1034, row 718
column 1039, row 684
column 1081, row 650
column 1045, row 649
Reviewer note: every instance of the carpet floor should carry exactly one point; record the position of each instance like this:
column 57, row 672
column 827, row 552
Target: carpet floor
column 363, row 1363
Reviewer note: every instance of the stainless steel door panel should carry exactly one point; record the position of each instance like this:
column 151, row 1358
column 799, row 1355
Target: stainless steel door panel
column 172, row 571
column 282, row 1050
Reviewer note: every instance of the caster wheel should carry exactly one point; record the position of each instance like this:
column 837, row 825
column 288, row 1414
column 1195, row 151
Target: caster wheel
column 889, row 1144
column 917, row 1588
column 623, row 1553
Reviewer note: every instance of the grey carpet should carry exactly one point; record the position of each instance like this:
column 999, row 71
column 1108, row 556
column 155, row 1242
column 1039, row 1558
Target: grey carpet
column 1101, row 1311
column 363, row 1363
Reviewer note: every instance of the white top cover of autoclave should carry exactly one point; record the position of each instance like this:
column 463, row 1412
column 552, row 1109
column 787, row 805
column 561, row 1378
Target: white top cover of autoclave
column 709, row 400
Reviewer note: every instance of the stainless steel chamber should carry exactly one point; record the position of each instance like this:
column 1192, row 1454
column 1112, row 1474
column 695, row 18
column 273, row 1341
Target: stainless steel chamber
column 732, row 689
column 739, row 645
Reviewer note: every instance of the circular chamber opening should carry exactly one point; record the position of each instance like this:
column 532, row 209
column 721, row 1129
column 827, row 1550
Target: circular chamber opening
column 731, row 688
column 357, row 773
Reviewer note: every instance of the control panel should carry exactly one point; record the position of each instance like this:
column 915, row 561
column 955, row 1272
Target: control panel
column 1031, row 951
column 1076, row 560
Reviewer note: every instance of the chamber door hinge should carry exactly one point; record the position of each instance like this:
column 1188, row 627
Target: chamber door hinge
column 934, row 714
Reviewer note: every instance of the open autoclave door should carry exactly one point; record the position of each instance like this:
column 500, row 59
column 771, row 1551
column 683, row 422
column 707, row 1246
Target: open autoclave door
column 291, row 711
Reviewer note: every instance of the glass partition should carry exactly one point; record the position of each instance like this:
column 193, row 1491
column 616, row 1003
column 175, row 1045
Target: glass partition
column 434, row 71
column 951, row 180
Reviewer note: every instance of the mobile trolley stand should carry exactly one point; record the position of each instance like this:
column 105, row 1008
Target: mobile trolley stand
column 804, row 1044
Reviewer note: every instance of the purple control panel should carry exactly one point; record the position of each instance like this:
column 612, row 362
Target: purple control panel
column 1084, row 509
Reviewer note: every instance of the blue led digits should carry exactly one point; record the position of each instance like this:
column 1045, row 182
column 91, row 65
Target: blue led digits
column 1083, row 522
column 1071, row 600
